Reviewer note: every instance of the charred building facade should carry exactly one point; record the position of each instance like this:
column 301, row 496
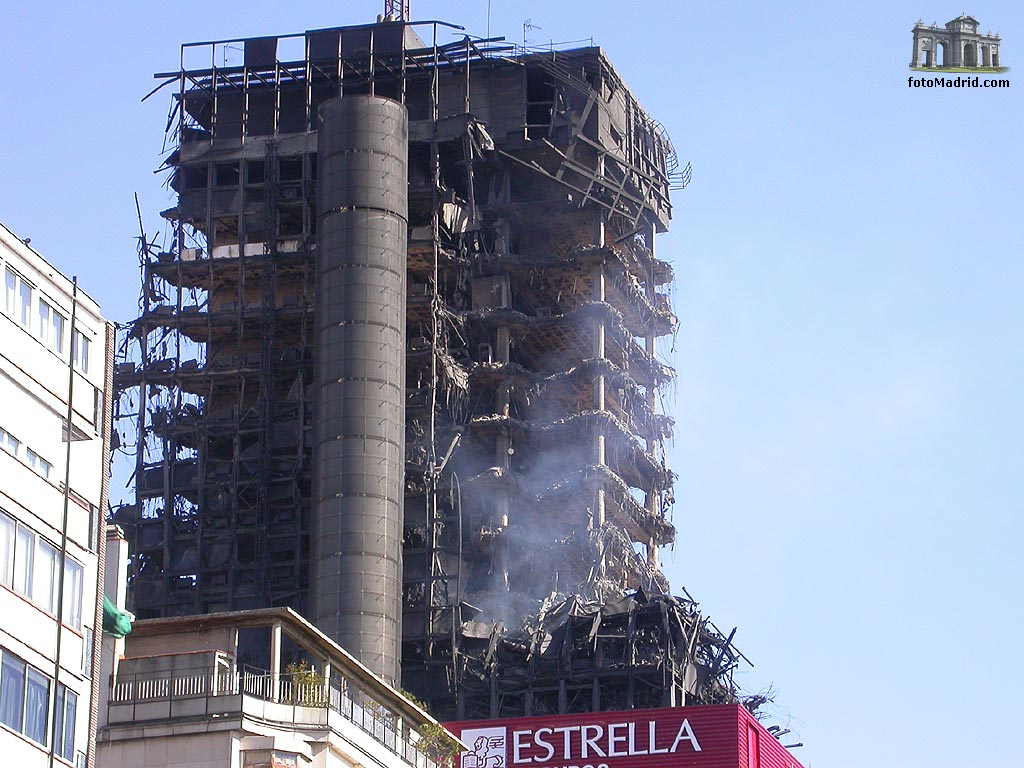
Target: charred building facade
column 399, row 368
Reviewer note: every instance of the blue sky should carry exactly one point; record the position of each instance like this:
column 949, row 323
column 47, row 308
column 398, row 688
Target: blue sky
column 848, row 261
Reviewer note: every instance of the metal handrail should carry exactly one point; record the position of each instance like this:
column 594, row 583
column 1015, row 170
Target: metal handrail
column 369, row 716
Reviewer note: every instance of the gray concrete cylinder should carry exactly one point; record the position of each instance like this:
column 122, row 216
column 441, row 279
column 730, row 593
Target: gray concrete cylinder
column 359, row 450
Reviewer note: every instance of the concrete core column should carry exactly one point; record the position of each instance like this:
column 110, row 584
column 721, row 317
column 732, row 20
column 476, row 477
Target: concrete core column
column 359, row 448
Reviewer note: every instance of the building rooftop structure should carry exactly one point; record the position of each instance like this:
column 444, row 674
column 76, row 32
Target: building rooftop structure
column 510, row 201
column 261, row 687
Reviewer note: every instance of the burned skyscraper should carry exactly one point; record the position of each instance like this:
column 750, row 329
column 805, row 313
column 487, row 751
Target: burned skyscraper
column 398, row 369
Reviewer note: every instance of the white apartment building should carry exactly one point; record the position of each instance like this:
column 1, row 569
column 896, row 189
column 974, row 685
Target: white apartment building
column 53, row 349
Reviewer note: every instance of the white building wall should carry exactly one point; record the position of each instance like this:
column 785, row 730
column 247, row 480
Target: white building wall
column 226, row 745
column 36, row 341
column 192, row 750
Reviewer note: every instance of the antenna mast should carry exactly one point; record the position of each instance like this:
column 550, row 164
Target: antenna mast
column 396, row 10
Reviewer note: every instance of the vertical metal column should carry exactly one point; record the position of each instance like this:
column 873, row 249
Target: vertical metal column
column 359, row 458
column 599, row 352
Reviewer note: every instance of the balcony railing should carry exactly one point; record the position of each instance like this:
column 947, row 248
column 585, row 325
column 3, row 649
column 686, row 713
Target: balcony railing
column 371, row 717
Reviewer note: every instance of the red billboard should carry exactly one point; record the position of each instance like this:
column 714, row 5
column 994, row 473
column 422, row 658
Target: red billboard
column 721, row 736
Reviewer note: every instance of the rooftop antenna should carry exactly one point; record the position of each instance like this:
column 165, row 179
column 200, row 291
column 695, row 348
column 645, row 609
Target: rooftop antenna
column 396, row 10
column 528, row 25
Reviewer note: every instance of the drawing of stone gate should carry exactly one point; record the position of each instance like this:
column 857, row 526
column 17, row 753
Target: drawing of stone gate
column 957, row 45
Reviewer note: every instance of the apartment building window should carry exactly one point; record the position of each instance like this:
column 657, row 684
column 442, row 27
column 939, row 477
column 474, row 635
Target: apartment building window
column 74, row 575
column 38, row 463
column 18, row 297
column 44, row 579
column 24, row 704
column 24, row 550
column 51, row 327
column 31, row 565
column 64, row 723
column 37, row 700
column 80, row 351
column 24, row 697
column 9, row 442
column 25, row 304
column 12, row 692
column 7, row 532
column 11, row 280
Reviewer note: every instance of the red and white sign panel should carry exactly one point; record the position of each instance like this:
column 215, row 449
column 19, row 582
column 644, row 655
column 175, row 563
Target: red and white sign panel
column 723, row 736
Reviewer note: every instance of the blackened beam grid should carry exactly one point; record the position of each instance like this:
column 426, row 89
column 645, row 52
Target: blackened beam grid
column 535, row 467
